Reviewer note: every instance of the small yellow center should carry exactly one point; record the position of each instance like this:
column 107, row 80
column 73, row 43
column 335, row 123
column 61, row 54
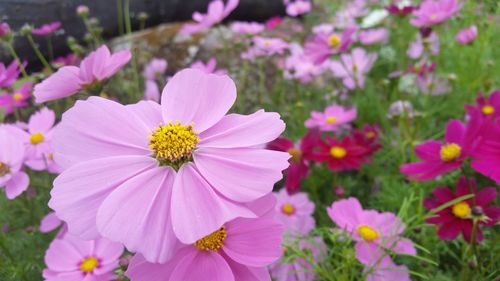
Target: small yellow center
column 334, row 41
column 37, row 138
column 173, row 143
column 355, row 68
column 89, row 264
column 338, row 152
column 331, row 119
column 488, row 109
column 367, row 233
column 50, row 156
column 288, row 209
column 17, row 96
column 450, row 152
column 213, row 241
column 461, row 210
column 433, row 17
column 296, row 155
column 370, row 134
column 4, row 169
column 268, row 43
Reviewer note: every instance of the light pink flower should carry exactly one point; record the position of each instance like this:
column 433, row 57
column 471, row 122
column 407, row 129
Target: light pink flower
column 320, row 47
column 205, row 179
column 332, row 119
column 244, row 27
column 352, row 67
column 97, row 66
column 12, row 178
column 151, row 92
column 270, row 46
column 155, row 67
column 324, row 28
column 433, row 12
column 467, row 35
column 209, row 67
column 295, row 212
column 51, row 222
column 4, row 29
column 420, row 46
column 8, row 75
column 298, row 7
column 299, row 66
column 47, row 28
column 373, row 36
column 239, row 250
column 216, row 13
column 19, row 98
column 72, row 258
column 70, row 59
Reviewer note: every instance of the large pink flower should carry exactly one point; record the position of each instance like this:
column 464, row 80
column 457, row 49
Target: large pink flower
column 216, row 13
column 12, row 178
column 141, row 173
column 68, row 80
column 433, row 12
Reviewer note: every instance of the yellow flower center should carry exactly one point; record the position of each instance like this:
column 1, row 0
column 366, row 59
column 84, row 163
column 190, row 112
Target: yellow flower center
column 213, row 241
column 461, row 210
column 370, row 135
column 367, row 233
column 89, row 264
column 50, row 156
column 488, row 109
column 433, row 17
column 331, row 119
column 4, row 169
column 338, row 152
column 296, row 155
column 37, row 138
column 450, row 152
column 268, row 43
column 288, row 209
column 334, row 41
column 173, row 144
column 355, row 68
column 17, row 96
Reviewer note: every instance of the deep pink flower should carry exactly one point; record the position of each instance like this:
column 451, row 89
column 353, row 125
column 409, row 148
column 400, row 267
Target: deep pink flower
column 485, row 157
column 467, row 35
column 433, row 12
column 12, row 178
column 72, row 258
column 47, row 28
column 458, row 218
column 216, row 13
column 97, row 66
column 295, row 212
column 244, row 27
column 8, row 75
column 239, row 250
column 203, row 165
column 332, row 119
column 298, row 7
column 4, row 29
column 368, row 137
column 489, row 107
column 320, row 47
column 352, row 67
column 155, row 67
column 19, row 98
column 341, row 155
column 274, row 22
column 209, row 67
column 372, row 231
column 400, row 10
column 373, row 36
column 51, row 222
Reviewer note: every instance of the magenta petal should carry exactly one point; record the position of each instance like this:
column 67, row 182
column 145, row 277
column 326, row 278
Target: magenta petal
column 486, row 196
column 241, row 174
column 455, row 131
column 449, row 230
column 429, row 150
column 443, row 194
column 16, row 185
column 207, row 266
column 197, row 210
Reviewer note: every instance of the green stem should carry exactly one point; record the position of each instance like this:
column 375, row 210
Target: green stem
column 16, row 57
column 119, row 11
column 50, row 49
column 38, row 53
column 128, row 20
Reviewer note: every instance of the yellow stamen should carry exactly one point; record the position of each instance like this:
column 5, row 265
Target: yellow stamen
column 288, row 209
column 17, row 96
column 37, row 138
column 370, row 134
column 213, row 241
column 4, row 169
column 296, row 155
column 488, row 109
column 450, row 152
column 433, row 17
column 461, row 210
column 50, row 156
column 334, row 41
column 173, row 142
column 331, row 119
column 367, row 233
column 338, row 152
column 89, row 264
column 355, row 68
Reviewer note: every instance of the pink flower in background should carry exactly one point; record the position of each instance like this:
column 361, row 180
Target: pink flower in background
column 198, row 161
column 467, row 35
column 82, row 10
column 244, row 27
column 324, row 28
column 299, row 66
column 151, row 91
column 295, row 212
column 239, row 250
column 47, row 28
column 270, row 46
column 19, row 98
column 332, row 119
column 373, row 36
column 70, row 59
column 489, row 107
column 401, row 9
column 273, row 22
column 298, row 7
column 4, row 29
column 72, row 258
column 424, row 45
column 433, row 12
column 51, row 222
column 387, row 270
column 209, row 67
column 320, row 47
column 68, row 80
column 433, row 85
column 155, row 67
column 12, row 178
column 486, row 156
column 216, row 13
column 8, row 75
column 352, row 67
column 373, row 232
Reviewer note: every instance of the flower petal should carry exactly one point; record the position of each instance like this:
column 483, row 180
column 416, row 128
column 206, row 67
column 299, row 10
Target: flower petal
column 203, row 265
column 65, row 82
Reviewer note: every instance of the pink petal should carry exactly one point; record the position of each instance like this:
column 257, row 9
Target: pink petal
column 140, row 269
column 346, row 213
column 455, row 131
column 115, row 63
column 405, row 246
column 486, row 196
column 368, row 253
column 247, row 273
column 62, row 256
column 148, row 112
column 203, row 265
column 16, row 185
column 41, row 121
column 49, row 222
column 65, row 82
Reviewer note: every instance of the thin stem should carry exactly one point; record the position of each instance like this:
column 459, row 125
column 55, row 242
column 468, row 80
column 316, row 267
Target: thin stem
column 16, row 57
column 128, row 20
column 38, row 53
column 50, row 49
column 119, row 11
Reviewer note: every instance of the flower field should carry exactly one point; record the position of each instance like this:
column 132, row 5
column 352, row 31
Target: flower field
column 342, row 140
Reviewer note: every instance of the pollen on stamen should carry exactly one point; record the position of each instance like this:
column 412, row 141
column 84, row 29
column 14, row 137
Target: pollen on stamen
column 334, row 41
column 4, row 169
column 89, row 264
column 450, row 152
column 173, row 144
column 212, row 242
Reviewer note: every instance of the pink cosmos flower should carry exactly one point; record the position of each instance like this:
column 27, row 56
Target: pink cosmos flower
column 239, row 250
column 203, row 165
column 352, row 67
column 19, row 98
column 298, row 7
column 151, row 91
column 387, row 270
column 332, row 119
column 51, row 222
column 47, row 28
column 372, row 231
column 209, row 67
column 12, row 178
column 97, row 66
column 155, row 67
column 489, row 107
column 320, row 47
column 8, row 75
column 270, row 46
column 72, row 258
column 433, row 85
column 373, row 36
column 485, row 157
column 70, row 59
column 4, row 29
column 295, row 212
column 433, row 12
column 424, row 45
column 244, row 27
column 82, row 10
column 216, row 13
column 299, row 66
column 324, row 28
column 467, row 35
column 273, row 22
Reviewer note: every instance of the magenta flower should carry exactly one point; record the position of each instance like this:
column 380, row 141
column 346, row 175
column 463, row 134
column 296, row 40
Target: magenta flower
column 19, row 98
column 244, row 27
column 209, row 67
column 51, row 222
column 467, row 35
column 400, row 9
column 372, row 231
column 458, row 218
column 439, row 158
column 489, row 107
column 273, row 22
column 352, row 67
column 295, row 212
column 155, row 67
column 68, row 80
column 47, row 28
column 485, row 157
column 202, row 164
column 298, row 7
column 433, row 12
column 8, row 75
column 424, row 45
column 320, row 47
column 4, row 29
column 12, row 178
column 72, row 258
column 239, row 250
column 216, row 13
column 373, row 36
column 332, row 119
